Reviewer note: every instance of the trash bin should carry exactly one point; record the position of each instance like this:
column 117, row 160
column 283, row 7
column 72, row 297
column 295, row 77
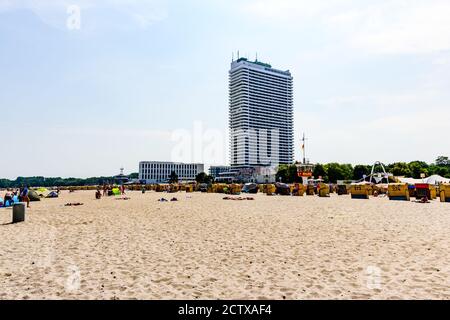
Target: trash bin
column 19, row 212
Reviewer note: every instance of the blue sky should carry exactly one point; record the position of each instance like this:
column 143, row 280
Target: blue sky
column 371, row 79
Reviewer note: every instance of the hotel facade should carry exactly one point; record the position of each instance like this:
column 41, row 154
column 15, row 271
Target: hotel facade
column 159, row 172
column 260, row 115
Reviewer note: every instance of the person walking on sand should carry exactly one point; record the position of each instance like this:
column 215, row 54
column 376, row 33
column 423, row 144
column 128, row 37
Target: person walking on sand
column 24, row 196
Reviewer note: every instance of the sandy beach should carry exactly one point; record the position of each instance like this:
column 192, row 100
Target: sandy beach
column 203, row 247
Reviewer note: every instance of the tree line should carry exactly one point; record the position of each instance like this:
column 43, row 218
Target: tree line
column 332, row 172
column 60, row 182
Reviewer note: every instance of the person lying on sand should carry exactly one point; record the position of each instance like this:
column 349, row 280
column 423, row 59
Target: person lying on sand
column 73, row 204
column 423, row 200
column 239, row 198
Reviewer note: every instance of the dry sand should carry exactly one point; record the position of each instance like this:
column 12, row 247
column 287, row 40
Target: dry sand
column 208, row 248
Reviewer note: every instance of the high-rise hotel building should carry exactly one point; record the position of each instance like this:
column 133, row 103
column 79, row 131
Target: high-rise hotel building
column 260, row 114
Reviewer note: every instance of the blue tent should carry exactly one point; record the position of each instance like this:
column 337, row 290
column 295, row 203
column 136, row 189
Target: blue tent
column 9, row 203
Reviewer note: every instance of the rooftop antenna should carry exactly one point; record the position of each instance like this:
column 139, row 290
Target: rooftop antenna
column 232, row 56
column 256, row 57
column 238, row 54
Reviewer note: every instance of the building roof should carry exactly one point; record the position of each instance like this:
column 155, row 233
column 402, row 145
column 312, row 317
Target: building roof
column 262, row 65
column 169, row 162
column 255, row 62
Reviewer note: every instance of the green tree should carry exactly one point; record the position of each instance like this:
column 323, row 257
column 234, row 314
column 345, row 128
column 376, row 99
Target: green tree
column 288, row 174
column 134, row 176
column 336, row 171
column 442, row 161
column 319, row 171
column 203, row 178
column 417, row 168
column 293, row 174
column 347, row 171
column 282, row 173
column 442, row 171
column 173, row 178
column 400, row 169
column 359, row 171
column 333, row 171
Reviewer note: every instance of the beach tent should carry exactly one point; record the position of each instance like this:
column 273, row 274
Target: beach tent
column 8, row 203
column 436, row 179
column 52, row 194
column 433, row 180
column 33, row 195
column 42, row 192
column 411, row 181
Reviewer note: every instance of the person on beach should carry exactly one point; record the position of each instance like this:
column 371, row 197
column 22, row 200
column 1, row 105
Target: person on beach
column 24, row 196
column 98, row 194
column 8, row 197
column 122, row 189
column 105, row 190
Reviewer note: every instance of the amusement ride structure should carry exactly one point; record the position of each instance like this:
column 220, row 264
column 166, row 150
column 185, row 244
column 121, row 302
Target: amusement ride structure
column 377, row 177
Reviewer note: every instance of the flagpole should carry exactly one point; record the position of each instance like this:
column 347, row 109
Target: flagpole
column 303, row 149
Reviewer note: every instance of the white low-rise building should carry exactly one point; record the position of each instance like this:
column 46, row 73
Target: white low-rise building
column 159, row 172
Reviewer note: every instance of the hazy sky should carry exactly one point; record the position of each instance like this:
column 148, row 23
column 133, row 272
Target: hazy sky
column 145, row 80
